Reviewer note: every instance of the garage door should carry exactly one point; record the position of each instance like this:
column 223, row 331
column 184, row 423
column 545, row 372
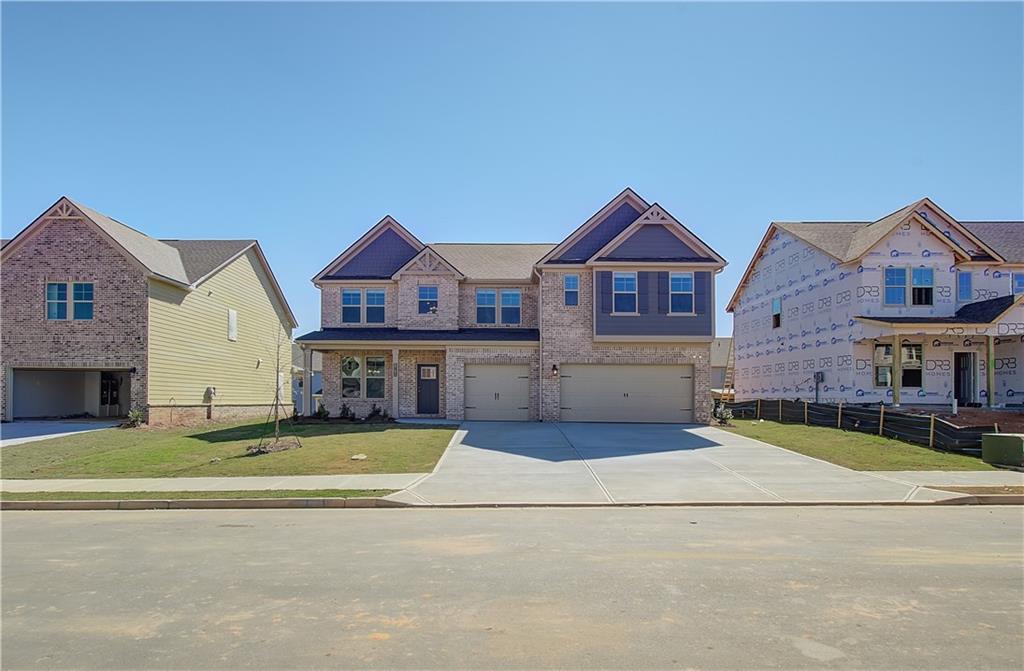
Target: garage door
column 626, row 393
column 498, row 392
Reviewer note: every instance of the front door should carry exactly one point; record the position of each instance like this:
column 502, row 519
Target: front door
column 110, row 395
column 427, row 389
column 964, row 377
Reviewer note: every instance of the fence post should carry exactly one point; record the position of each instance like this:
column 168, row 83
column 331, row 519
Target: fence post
column 780, row 411
column 931, row 432
column 839, row 422
column 805, row 412
column 881, row 418
column 758, row 409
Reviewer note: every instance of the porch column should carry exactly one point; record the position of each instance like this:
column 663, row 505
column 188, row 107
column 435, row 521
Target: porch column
column 990, row 370
column 394, row 383
column 897, row 368
column 307, row 381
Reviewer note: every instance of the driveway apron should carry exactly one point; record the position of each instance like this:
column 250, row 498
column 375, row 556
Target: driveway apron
column 531, row 463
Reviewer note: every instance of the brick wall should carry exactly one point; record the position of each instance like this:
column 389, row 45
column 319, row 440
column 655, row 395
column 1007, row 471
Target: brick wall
column 330, row 304
column 458, row 357
column 332, row 398
column 447, row 316
column 566, row 337
column 69, row 250
column 467, row 305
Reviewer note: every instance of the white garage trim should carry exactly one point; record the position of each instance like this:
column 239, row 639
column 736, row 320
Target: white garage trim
column 627, row 393
column 497, row 392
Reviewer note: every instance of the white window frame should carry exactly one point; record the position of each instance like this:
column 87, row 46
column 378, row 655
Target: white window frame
column 566, row 290
column 635, row 292
column 436, row 300
column 692, row 293
column 232, row 325
column 905, row 286
column 358, row 306
column 518, row 293
column 960, row 276
column 914, row 285
column 74, row 301
column 56, row 301
column 493, row 306
column 358, row 378
column 68, row 301
column 383, row 376
column 367, row 306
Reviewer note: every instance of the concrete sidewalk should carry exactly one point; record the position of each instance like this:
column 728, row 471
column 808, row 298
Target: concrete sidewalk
column 956, row 478
column 368, row 481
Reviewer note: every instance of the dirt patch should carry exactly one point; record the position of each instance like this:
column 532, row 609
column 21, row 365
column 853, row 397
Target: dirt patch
column 1009, row 421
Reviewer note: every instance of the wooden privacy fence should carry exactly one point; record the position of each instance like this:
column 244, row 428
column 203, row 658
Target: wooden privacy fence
column 881, row 420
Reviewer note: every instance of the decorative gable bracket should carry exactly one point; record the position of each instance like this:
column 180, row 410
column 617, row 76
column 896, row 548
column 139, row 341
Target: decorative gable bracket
column 428, row 262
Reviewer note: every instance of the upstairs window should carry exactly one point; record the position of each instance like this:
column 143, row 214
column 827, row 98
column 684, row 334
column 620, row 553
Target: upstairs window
column 56, row 300
column 776, row 313
column 680, row 287
column 922, row 292
column 232, row 325
column 511, row 300
column 486, row 306
column 375, row 299
column 571, row 289
column 624, row 293
column 964, row 288
column 895, row 286
column 351, row 306
column 428, row 300
column 82, row 295
column 1018, row 283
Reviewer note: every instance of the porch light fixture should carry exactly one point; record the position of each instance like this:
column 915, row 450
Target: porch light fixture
column 554, row 370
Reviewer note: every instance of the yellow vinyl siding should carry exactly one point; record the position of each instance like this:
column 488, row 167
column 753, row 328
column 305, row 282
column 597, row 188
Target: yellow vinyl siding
column 189, row 348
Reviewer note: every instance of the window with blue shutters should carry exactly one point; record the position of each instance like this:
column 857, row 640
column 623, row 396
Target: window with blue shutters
column 624, row 293
column 681, row 293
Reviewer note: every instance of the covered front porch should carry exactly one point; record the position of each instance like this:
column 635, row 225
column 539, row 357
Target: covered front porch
column 941, row 362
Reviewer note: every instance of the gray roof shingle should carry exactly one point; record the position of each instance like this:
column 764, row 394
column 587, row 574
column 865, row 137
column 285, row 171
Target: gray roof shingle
column 499, row 261
column 1005, row 237
column 201, row 257
column 979, row 312
column 390, row 333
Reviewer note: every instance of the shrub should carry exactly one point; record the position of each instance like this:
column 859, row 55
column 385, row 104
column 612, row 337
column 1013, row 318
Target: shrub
column 135, row 419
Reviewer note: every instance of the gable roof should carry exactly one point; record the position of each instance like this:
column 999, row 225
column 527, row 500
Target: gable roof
column 848, row 241
column 1006, row 237
column 616, row 215
column 185, row 263
column 493, row 262
column 376, row 268
column 658, row 216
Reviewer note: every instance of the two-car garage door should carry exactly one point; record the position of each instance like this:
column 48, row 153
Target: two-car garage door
column 626, row 393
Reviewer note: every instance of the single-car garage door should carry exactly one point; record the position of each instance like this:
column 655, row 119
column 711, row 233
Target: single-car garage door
column 498, row 392
column 627, row 393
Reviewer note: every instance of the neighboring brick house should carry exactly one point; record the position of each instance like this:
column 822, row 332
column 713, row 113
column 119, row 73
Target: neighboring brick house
column 614, row 323
column 99, row 319
column 823, row 308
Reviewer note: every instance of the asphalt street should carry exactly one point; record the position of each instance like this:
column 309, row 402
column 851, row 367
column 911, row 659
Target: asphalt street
column 717, row 588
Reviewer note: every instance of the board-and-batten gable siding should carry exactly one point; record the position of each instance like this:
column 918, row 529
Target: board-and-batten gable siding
column 189, row 348
column 380, row 258
column 653, row 241
column 653, row 307
column 600, row 235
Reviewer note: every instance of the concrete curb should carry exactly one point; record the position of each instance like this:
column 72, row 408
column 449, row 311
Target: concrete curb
column 237, row 504
column 201, row 504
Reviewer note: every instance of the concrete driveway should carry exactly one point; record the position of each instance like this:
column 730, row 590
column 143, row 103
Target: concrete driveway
column 28, row 431
column 506, row 462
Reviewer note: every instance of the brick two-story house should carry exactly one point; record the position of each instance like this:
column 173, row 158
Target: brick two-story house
column 614, row 323
column 914, row 308
column 98, row 319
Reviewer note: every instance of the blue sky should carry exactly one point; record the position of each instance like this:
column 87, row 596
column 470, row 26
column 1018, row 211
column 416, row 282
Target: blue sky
column 302, row 125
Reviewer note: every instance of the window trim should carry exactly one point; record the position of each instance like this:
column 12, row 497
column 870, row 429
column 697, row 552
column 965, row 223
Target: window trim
column 566, row 291
column 969, row 276
column 635, row 292
column 519, row 305
column 56, row 301
column 914, row 285
column 904, row 286
column 692, row 293
column 436, row 300
column 367, row 377
column 367, row 306
column 69, row 301
column 358, row 307
column 493, row 306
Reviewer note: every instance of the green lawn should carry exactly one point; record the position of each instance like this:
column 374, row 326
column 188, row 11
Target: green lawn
column 860, row 451
column 219, row 450
column 166, row 496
